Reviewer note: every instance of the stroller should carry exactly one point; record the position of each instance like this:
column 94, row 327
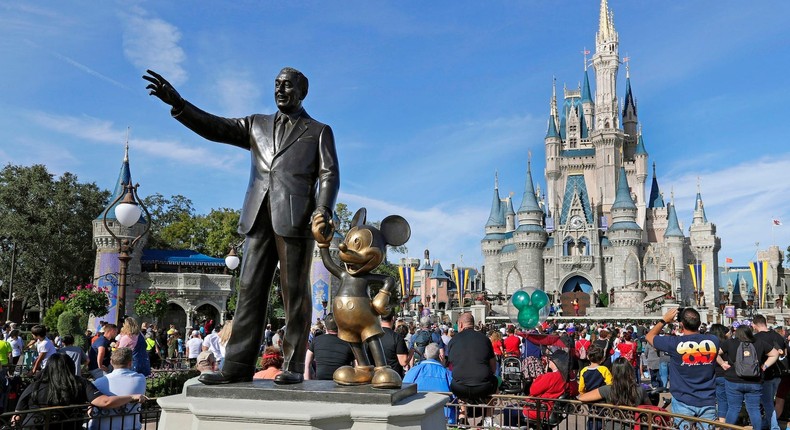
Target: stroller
column 513, row 380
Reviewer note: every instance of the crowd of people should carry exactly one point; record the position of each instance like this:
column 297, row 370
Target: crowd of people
column 711, row 372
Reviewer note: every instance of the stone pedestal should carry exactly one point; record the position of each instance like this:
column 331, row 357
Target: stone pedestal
column 629, row 299
column 263, row 405
column 667, row 306
column 479, row 312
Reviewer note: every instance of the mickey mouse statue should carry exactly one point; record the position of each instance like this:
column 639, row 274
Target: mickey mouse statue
column 357, row 316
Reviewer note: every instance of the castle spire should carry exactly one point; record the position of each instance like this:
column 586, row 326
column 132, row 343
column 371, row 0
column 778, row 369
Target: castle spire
column 529, row 201
column 497, row 216
column 124, row 177
column 605, row 29
column 656, row 199
column 623, row 198
column 699, row 208
column 673, row 226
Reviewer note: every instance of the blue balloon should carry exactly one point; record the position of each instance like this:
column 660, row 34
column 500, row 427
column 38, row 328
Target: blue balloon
column 539, row 299
column 520, row 299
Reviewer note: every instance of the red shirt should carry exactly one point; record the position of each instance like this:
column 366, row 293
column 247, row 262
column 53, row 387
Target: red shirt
column 498, row 349
column 512, row 345
column 628, row 347
column 548, row 385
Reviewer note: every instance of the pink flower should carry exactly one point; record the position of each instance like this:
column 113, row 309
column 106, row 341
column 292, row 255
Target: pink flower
column 158, row 301
column 142, row 302
column 62, row 298
column 79, row 287
column 137, row 291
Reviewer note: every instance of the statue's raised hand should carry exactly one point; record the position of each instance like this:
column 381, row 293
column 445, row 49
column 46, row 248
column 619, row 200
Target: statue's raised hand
column 163, row 90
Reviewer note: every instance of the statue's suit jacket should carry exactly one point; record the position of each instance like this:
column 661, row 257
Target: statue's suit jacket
column 304, row 160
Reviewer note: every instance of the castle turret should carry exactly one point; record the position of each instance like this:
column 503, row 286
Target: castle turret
column 496, row 218
column 675, row 240
column 494, row 239
column 625, row 235
column 705, row 245
column 107, row 265
column 530, row 236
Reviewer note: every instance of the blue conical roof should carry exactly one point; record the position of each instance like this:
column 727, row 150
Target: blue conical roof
column 586, row 96
column 656, row 199
column 438, row 272
column 509, row 207
column 673, row 227
column 623, row 199
column 585, row 132
column 640, row 146
column 629, row 98
column 552, row 129
column 497, row 216
column 698, row 206
column 124, row 177
column 529, row 202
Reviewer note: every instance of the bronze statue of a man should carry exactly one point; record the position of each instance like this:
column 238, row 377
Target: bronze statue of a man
column 294, row 174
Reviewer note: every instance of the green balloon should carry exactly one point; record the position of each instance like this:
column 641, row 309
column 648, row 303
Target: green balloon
column 539, row 299
column 528, row 317
column 520, row 299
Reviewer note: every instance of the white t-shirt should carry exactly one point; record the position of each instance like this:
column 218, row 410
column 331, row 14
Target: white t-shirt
column 194, row 346
column 212, row 343
column 46, row 346
column 16, row 346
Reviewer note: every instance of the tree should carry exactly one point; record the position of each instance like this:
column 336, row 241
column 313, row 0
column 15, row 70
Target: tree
column 50, row 222
column 164, row 213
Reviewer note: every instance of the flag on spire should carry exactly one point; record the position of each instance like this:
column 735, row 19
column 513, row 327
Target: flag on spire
column 776, row 221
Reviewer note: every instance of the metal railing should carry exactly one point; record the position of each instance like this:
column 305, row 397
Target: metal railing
column 513, row 412
column 131, row 416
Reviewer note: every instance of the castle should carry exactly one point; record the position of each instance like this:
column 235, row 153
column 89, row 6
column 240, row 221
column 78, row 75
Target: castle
column 597, row 230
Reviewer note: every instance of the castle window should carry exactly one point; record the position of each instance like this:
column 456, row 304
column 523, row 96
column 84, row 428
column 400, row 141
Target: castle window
column 572, row 142
column 572, row 129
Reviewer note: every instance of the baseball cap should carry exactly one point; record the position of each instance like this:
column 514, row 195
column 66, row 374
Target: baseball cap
column 206, row 357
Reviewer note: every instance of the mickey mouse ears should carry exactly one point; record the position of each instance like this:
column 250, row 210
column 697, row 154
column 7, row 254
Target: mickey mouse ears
column 396, row 230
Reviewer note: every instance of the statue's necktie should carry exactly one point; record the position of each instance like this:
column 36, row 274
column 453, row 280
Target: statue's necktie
column 281, row 131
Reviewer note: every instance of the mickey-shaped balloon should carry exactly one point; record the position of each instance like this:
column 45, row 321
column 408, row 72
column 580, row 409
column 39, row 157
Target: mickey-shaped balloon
column 529, row 306
column 357, row 316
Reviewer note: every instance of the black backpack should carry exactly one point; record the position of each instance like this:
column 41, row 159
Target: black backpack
column 747, row 363
column 421, row 340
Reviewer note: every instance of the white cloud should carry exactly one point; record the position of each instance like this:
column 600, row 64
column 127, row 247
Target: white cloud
column 151, row 43
column 741, row 200
column 238, row 95
column 448, row 233
column 102, row 131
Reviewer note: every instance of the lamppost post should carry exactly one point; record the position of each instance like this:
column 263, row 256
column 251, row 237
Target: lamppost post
column 127, row 212
column 11, row 276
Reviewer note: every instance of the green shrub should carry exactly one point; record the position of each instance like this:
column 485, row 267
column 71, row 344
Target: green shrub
column 51, row 317
column 167, row 383
column 69, row 323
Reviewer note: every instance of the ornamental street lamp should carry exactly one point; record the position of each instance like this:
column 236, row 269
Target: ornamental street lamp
column 127, row 212
column 11, row 277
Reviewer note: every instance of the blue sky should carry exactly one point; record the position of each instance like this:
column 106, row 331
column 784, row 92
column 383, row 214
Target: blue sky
column 426, row 99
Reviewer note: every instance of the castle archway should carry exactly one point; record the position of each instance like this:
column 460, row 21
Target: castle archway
column 576, row 294
column 577, row 284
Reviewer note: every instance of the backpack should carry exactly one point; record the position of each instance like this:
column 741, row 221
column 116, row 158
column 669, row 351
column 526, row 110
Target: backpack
column 421, row 340
column 747, row 364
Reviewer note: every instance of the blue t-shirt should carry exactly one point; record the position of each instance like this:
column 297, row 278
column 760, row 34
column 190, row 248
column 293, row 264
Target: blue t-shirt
column 691, row 367
column 93, row 354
